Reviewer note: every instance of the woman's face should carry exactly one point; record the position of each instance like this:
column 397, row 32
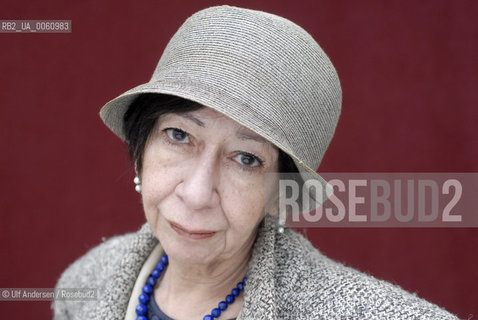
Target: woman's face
column 203, row 185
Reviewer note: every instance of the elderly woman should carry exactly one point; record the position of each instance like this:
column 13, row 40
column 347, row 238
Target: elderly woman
column 237, row 97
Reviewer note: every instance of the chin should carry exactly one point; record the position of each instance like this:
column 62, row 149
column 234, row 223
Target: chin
column 189, row 254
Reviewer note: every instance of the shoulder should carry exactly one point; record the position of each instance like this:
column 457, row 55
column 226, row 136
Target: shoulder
column 92, row 271
column 94, row 265
column 317, row 285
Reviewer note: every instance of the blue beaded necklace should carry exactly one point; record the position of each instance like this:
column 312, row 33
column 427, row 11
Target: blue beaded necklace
column 144, row 297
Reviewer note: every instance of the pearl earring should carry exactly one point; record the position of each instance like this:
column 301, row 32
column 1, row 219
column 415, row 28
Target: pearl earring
column 137, row 183
column 280, row 228
column 280, row 224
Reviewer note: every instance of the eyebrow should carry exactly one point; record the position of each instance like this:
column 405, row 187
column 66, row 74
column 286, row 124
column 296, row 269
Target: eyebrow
column 251, row 136
column 239, row 134
column 192, row 118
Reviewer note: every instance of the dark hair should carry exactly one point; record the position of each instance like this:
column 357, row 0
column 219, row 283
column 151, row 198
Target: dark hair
column 141, row 116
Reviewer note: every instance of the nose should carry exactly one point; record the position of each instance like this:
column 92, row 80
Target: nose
column 198, row 189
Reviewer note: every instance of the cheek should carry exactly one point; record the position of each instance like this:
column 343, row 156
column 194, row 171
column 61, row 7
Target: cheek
column 156, row 181
column 159, row 179
column 243, row 207
column 160, row 169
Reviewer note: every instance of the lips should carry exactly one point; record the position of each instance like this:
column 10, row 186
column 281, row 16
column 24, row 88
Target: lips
column 191, row 234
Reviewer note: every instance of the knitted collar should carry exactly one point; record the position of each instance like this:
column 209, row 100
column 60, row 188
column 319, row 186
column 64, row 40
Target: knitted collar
column 259, row 298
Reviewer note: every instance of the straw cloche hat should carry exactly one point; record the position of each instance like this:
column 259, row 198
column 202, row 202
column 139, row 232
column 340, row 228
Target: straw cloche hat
column 259, row 69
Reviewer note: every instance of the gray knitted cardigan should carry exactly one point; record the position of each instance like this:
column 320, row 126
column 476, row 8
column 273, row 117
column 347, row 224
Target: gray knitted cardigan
column 287, row 279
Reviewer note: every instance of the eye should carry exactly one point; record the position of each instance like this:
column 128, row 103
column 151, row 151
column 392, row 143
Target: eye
column 248, row 160
column 177, row 135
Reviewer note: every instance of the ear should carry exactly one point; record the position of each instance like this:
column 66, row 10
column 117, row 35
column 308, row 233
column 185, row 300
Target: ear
column 274, row 209
column 272, row 206
column 279, row 211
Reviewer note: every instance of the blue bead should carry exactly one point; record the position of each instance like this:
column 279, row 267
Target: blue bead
column 216, row 312
column 208, row 317
column 141, row 318
column 164, row 259
column 222, row 305
column 160, row 267
column 141, row 309
column 152, row 281
column 147, row 289
column 240, row 286
column 230, row 298
column 244, row 280
column 143, row 298
column 235, row 292
column 156, row 274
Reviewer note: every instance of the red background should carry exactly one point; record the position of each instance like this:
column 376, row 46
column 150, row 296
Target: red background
column 409, row 71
